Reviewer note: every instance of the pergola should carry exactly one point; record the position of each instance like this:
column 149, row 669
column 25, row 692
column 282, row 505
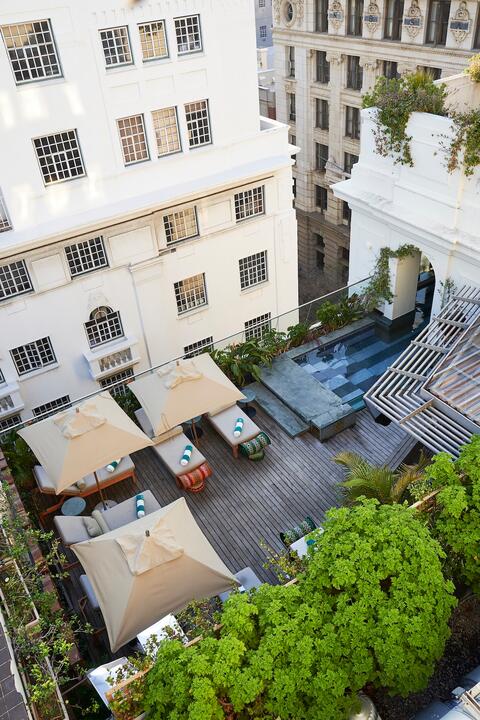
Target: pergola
column 433, row 389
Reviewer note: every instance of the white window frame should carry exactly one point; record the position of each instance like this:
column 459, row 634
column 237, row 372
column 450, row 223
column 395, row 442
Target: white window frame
column 56, row 159
column 186, row 44
column 198, row 348
column 253, row 270
column 52, row 407
column 128, row 147
column 167, row 133
column 119, row 377
column 86, row 256
column 104, row 329
column 9, row 422
column 181, row 225
column 34, row 55
column 14, row 280
column 113, row 36
column 193, row 297
column 5, row 223
column 249, row 203
column 147, row 40
column 197, row 116
column 257, row 327
column 33, row 356
column 262, row 31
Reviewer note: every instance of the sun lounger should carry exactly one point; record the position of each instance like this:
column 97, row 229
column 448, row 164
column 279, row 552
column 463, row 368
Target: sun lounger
column 224, row 423
column 169, row 447
column 247, row 579
column 71, row 529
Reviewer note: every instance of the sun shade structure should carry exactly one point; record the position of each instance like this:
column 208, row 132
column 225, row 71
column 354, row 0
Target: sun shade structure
column 183, row 390
column 149, row 568
column 433, row 389
column 76, row 442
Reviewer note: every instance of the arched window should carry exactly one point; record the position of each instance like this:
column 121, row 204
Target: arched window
column 103, row 325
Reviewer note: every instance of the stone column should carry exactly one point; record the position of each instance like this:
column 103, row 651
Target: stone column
column 404, row 279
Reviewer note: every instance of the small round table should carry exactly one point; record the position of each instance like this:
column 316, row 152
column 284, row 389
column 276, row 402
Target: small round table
column 250, row 396
column 73, row 506
column 193, row 430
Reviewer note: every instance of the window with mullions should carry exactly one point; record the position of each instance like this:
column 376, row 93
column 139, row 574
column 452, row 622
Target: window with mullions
column 354, row 73
column 349, row 161
column 190, row 293
column 121, row 377
column 257, row 327
column 321, row 157
column 10, row 422
column 33, row 356
column 165, row 124
column 435, row 73
column 393, row 20
column 321, row 114
column 198, row 123
column 253, row 270
column 355, row 17
column 180, row 225
column 116, row 46
column 85, row 256
column 390, row 70
column 133, row 138
column 199, row 347
column 292, row 106
column 59, row 157
column 103, row 326
column 32, row 52
column 322, row 67
column 263, row 32
column 352, row 122
column 321, row 16
column 189, row 36
column 437, row 26
column 249, row 203
column 5, row 223
column 52, row 407
column 290, row 61
column 321, row 198
column 14, row 279
column 153, row 40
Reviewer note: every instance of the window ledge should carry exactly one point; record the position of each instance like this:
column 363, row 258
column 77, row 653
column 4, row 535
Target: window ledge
column 253, row 288
column 40, row 371
column 193, row 311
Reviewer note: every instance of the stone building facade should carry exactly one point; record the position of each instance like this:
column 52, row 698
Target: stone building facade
column 328, row 53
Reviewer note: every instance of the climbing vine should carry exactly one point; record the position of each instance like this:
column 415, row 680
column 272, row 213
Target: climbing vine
column 379, row 286
column 464, row 148
column 473, row 68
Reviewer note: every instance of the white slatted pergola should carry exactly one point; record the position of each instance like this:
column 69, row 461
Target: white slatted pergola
column 433, row 389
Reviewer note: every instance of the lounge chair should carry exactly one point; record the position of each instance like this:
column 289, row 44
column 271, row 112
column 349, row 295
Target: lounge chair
column 124, row 470
column 169, row 447
column 72, row 529
column 224, row 422
column 247, row 579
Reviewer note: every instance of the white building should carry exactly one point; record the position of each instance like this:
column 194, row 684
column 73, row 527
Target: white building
column 263, row 22
column 147, row 209
column 328, row 54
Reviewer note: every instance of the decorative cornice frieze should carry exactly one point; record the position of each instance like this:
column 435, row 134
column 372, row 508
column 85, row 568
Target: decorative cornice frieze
column 336, row 14
column 335, row 58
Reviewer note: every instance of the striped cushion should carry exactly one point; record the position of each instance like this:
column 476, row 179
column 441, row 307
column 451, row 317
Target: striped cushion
column 195, row 481
column 252, row 447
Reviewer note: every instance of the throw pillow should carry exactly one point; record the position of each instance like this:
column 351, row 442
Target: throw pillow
column 92, row 527
column 98, row 516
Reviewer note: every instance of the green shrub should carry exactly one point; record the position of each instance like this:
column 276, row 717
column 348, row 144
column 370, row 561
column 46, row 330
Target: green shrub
column 473, row 68
column 333, row 316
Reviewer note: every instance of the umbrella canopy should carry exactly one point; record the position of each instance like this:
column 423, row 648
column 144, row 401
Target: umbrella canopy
column 151, row 567
column 78, row 441
column 183, row 390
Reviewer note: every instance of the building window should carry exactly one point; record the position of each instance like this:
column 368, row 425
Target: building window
column 352, row 122
column 33, row 356
column 5, row 223
column 343, row 252
column 52, row 407
column 390, row 70
column 85, row 256
column 253, row 270
column 198, row 123
column 321, row 198
column 437, row 25
column 165, row 123
column 14, row 280
column 10, row 422
column 121, row 377
column 319, row 251
column 349, row 162
column 116, row 46
column 189, row 37
column 263, row 32
column 354, row 73
column 32, row 52
column 476, row 42
column 256, row 328
column 103, row 326
column 153, row 40
column 355, row 17
column 321, row 16
column 133, row 138
column 2, row 378
column 291, row 104
column 322, row 67
column 198, row 348
column 393, row 20
column 321, row 157
column 180, row 225
column 190, row 293
column 249, row 203
column 261, row 3
column 346, row 213
column 290, row 61
column 59, row 156
column 321, row 114
column 435, row 73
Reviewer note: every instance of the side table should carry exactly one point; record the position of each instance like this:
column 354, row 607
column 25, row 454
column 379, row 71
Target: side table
column 250, row 396
column 193, row 430
column 73, row 506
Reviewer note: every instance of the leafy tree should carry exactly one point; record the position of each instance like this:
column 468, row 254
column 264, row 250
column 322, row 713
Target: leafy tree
column 380, row 572
column 377, row 481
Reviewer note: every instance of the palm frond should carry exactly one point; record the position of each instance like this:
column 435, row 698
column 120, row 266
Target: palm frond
column 370, row 481
column 408, row 474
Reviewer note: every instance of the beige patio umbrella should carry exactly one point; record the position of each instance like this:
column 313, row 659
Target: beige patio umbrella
column 149, row 568
column 183, row 390
column 76, row 442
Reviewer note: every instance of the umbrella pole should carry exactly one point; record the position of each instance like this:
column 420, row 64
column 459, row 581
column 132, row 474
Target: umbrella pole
column 105, row 506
